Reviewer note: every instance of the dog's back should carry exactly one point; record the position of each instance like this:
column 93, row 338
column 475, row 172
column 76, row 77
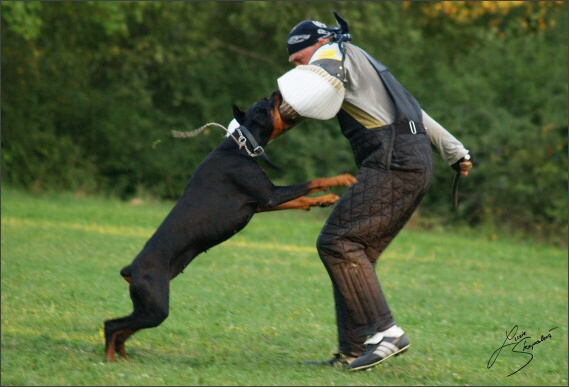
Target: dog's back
column 218, row 201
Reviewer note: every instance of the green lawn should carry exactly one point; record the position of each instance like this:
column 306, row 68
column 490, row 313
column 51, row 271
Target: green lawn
column 250, row 311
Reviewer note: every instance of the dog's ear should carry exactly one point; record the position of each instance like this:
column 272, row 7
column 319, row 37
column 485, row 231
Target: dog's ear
column 238, row 114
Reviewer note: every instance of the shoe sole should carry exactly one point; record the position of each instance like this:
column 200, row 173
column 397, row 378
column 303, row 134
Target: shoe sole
column 310, row 363
column 379, row 361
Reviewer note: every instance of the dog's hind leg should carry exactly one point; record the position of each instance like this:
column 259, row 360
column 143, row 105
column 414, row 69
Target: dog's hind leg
column 120, row 340
column 116, row 343
column 150, row 297
column 180, row 262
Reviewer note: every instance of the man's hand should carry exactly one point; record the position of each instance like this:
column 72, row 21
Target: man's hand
column 463, row 165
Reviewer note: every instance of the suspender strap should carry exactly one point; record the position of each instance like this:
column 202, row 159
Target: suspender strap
column 406, row 105
column 408, row 127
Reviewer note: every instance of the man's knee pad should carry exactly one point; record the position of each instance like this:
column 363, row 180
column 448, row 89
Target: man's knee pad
column 325, row 241
column 331, row 248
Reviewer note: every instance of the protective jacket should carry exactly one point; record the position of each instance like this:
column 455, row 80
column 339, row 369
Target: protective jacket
column 408, row 120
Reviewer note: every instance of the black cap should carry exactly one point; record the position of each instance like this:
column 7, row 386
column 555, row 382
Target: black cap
column 305, row 34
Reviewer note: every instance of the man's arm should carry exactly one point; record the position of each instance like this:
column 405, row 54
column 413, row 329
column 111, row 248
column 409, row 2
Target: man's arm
column 448, row 146
column 452, row 150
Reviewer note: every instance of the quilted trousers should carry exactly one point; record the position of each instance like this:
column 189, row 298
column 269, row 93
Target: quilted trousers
column 391, row 183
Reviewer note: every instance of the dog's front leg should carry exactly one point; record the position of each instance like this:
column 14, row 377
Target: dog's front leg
column 324, row 183
column 303, row 203
column 284, row 194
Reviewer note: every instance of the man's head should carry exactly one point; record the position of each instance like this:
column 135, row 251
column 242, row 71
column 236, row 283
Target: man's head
column 305, row 38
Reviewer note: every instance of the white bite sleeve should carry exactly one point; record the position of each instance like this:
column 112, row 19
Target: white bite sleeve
column 312, row 92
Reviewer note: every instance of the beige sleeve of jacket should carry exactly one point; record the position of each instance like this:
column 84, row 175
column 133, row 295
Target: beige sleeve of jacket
column 448, row 146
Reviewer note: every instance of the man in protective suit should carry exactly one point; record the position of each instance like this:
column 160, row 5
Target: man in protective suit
column 390, row 136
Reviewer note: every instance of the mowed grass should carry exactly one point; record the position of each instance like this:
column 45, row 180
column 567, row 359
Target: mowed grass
column 250, row 311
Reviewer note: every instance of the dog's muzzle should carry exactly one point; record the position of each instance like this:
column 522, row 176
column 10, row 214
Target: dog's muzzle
column 289, row 115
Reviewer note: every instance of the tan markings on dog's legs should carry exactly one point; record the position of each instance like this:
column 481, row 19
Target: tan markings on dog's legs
column 120, row 340
column 110, row 353
column 303, row 203
column 323, row 183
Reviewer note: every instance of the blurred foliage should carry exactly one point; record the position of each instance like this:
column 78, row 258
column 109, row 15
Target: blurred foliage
column 89, row 87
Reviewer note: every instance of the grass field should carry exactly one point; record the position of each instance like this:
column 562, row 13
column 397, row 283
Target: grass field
column 250, row 311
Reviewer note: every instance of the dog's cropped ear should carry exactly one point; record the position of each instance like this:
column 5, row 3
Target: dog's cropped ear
column 238, row 114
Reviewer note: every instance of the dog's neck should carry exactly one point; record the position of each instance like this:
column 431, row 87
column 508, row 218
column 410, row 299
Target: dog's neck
column 247, row 140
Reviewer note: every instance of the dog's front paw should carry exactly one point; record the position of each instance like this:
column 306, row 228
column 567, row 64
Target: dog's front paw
column 347, row 179
column 326, row 200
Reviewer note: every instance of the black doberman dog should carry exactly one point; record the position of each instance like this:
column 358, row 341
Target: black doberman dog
column 224, row 192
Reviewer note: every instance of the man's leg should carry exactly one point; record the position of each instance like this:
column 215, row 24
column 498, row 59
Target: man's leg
column 361, row 307
column 391, row 213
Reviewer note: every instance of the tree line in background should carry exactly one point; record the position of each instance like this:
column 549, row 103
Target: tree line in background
column 92, row 90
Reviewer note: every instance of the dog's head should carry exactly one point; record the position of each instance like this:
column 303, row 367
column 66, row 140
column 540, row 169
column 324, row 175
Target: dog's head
column 264, row 119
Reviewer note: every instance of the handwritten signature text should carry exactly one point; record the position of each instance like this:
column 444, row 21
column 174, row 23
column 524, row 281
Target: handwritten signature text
column 520, row 343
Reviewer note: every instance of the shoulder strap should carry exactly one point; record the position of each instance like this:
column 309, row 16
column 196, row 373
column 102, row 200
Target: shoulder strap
column 407, row 106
